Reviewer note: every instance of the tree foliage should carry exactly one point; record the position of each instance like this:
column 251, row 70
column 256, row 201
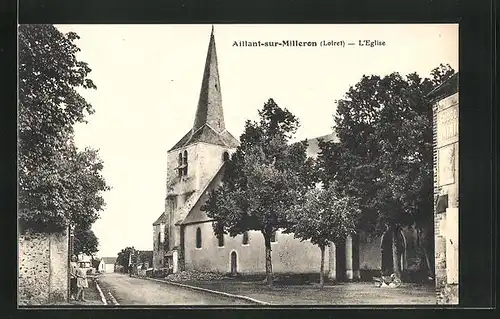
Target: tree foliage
column 58, row 185
column 384, row 158
column 124, row 255
column 85, row 241
column 263, row 179
column 323, row 216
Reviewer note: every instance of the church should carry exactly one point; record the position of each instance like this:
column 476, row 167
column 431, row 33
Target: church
column 183, row 237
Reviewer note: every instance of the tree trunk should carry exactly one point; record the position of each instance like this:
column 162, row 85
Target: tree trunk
column 395, row 256
column 430, row 271
column 322, row 267
column 269, row 264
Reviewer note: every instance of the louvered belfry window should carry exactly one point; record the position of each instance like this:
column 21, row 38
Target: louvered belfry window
column 185, row 163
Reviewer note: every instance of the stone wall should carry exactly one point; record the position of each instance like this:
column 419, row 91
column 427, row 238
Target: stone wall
column 446, row 217
column 43, row 268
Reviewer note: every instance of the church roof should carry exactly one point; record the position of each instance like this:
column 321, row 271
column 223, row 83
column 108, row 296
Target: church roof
column 208, row 135
column 196, row 215
column 160, row 219
column 313, row 143
column 209, row 126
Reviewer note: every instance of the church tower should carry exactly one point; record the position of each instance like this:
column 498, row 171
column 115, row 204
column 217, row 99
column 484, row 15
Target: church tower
column 194, row 160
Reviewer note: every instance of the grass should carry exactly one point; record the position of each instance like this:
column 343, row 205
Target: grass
column 92, row 295
column 305, row 290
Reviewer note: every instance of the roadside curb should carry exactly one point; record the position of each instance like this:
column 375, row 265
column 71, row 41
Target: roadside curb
column 101, row 293
column 208, row 290
column 113, row 300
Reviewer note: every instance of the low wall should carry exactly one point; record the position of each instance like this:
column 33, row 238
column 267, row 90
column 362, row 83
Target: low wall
column 43, row 268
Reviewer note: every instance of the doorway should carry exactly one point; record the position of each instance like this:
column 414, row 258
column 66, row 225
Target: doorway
column 234, row 262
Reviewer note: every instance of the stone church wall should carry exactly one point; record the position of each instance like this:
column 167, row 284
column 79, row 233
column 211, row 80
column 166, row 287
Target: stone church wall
column 43, row 268
column 251, row 257
column 370, row 258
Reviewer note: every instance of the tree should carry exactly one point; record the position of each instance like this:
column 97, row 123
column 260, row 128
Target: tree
column 263, row 179
column 86, row 242
column 384, row 157
column 96, row 262
column 126, row 255
column 323, row 217
column 58, row 185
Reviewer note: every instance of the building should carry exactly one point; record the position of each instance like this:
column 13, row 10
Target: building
column 183, row 237
column 107, row 264
column 446, row 192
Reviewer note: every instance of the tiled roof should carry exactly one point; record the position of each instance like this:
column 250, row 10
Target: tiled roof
column 206, row 134
column 313, row 143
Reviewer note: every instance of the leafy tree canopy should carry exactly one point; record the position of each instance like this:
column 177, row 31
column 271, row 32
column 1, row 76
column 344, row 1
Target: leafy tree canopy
column 123, row 256
column 264, row 176
column 324, row 216
column 58, row 185
column 263, row 179
column 384, row 158
column 85, row 241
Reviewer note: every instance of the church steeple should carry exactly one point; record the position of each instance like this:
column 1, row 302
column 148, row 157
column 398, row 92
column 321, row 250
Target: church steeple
column 209, row 109
column 209, row 126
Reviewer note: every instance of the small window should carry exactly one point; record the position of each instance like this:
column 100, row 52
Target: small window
column 225, row 156
column 185, row 163
column 198, row 237
column 220, row 239
column 273, row 237
column 180, row 165
column 159, row 242
column 245, row 238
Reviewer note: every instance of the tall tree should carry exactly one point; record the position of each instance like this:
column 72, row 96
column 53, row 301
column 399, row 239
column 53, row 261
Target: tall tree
column 384, row 157
column 126, row 255
column 323, row 216
column 86, row 242
column 58, row 185
column 263, row 179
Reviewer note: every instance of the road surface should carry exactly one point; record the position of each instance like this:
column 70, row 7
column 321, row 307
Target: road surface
column 135, row 291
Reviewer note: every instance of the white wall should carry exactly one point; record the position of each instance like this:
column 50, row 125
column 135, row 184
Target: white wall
column 288, row 255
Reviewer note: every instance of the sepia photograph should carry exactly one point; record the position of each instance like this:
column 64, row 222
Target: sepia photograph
column 238, row 165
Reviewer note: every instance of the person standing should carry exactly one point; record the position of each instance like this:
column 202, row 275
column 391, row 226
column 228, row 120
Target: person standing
column 73, row 268
column 82, row 283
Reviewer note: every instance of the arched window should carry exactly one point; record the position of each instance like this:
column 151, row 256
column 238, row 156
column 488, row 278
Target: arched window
column 225, row 156
column 159, row 242
column 245, row 238
column 185, row 163
column 180, row 164
column 220, row 239
column 273, row 237
column 198, row 237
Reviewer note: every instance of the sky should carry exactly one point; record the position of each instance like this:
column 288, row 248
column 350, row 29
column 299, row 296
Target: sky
column 148, row 79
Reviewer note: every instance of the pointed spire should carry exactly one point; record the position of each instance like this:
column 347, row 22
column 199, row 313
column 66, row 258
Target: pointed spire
column 209, row 109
